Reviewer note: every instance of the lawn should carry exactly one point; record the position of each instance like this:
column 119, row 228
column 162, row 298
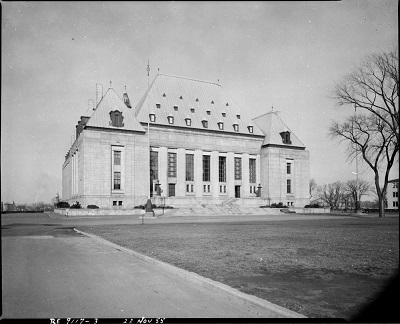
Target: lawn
column 325, row 268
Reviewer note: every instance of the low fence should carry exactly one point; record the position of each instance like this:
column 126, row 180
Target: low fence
column 70, row 212
column 321, row 210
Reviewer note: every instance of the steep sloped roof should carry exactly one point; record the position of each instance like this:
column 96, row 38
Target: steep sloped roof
column 188, row 98
column 271, row 125
column 111, row 102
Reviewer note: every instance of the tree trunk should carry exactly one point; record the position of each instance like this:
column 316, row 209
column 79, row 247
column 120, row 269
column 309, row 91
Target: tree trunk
column 381, row 205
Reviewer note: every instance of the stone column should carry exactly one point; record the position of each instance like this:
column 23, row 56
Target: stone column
column 230, row 175
column 198, row 173
column 180, row 173
column 214, row 174
column 162, row 169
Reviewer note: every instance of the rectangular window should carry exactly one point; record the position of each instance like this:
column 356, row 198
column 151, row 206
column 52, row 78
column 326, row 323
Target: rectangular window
column 171, row 189
column 395, row 194
column 117, row 180
column 172, row 165
column 238, row 168
column 119, row 203
column 288, row 168
column 189, row 188
column 117, row 157
column 206, row 167
column 114, row 203
column 189, row 167
column 252, row 170
column 222, row 169
column 153, row 165
column 289, row 186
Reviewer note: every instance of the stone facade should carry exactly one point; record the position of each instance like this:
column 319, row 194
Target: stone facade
column 123, row 155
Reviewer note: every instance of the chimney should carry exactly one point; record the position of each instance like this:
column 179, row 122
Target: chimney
column 99, row 93
column 91, row 105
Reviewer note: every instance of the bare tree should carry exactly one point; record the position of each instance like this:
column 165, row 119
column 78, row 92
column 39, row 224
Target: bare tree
column 374, row 88
column 373, row 139
column 357, row 188
column 331, row 194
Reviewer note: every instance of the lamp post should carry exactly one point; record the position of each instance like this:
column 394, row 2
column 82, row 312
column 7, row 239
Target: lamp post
column 259, row 190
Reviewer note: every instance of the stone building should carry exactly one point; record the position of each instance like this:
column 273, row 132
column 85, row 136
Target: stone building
column 186, row 142
column 393, row 194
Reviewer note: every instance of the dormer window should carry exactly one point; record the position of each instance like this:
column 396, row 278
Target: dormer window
column 170, row 119
column 176, row 107
column 250, row 128
column 164, row 95
column 197, row 99
column 236, row 127
column 238, row 116
column 220, row 125
column 227, row 104
column 212, row 102
column 152, row 117
column 116, row 118
column 205, row 123
column 192, row 110
column 158, row 105
column 285, row 137
column 180, row 97
column 188, row 121
column 208, row 112
column 223, row 114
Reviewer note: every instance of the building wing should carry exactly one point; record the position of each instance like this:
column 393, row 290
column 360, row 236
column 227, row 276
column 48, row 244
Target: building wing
column 189, row 103
column 111, row 112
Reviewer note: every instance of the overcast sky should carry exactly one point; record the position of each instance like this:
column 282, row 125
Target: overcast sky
column 285, row 54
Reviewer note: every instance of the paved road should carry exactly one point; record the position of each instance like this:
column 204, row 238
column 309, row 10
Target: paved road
column 49, row 270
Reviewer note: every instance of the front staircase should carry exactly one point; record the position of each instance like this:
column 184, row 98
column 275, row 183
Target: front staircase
column 223, row 209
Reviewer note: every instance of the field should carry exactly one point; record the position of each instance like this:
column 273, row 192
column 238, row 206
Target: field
column 323, row 268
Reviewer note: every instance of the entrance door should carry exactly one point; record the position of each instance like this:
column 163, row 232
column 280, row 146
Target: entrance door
column 237, row 191
column 171, row 190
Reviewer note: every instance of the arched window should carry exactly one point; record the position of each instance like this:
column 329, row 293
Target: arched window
column 116, row 118
column 286, row 137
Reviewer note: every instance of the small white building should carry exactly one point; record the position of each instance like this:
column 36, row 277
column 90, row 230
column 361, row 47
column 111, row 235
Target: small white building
column 393, row 194
column 186, row 142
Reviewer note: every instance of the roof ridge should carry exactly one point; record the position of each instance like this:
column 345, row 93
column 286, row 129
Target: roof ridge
column 181, row 77
column 267, row 113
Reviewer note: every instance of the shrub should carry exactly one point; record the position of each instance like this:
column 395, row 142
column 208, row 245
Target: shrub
column 77, row 205
column 312, row 206
column 92, row 207
column 62, row 204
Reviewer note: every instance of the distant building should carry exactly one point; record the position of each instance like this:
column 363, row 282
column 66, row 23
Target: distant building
column 10, row 207
column 186, row 142
column 393, row 194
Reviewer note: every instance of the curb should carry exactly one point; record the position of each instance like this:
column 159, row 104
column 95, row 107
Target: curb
column 260, row 306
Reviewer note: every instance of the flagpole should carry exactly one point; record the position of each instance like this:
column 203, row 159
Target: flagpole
column 357, row 202
column 148, row 121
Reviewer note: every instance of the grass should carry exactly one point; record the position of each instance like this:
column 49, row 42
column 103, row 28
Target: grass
column 321, row 268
